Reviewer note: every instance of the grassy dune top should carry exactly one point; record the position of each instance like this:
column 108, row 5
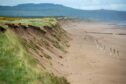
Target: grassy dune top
column 34, row 21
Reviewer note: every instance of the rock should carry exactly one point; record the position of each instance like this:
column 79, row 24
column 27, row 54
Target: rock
column 22, row 26
column 48, row 28
column 2, row 29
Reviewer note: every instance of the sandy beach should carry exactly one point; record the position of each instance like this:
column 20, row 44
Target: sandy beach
column 97, row 53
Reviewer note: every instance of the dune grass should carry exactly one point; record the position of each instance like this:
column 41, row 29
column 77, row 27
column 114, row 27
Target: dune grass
column 34, row 21
column 17, row 65
column 14, row 67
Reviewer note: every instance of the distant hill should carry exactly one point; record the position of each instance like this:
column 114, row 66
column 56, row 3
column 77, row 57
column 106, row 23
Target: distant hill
column 46, row 9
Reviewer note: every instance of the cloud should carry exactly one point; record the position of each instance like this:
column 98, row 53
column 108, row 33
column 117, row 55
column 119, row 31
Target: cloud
column 80, row 4
column 118, row 7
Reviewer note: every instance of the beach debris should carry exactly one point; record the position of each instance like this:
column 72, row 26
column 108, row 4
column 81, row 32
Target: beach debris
column 117, row 52
column 114, row 52
column 61, row 57
column 110, row 51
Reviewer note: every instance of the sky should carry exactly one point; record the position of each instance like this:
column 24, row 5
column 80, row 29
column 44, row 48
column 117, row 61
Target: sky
column 79, row 4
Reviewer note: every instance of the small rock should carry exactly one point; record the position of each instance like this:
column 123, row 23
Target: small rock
column 2, row 29
column 60, row 57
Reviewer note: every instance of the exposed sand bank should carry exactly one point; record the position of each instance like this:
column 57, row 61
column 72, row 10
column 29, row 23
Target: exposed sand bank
column 97, row 54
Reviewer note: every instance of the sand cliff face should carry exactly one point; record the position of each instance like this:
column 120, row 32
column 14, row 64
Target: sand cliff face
column 43, row 43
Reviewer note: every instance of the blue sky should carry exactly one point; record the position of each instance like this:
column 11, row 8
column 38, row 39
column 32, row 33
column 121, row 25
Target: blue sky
column 79, row 4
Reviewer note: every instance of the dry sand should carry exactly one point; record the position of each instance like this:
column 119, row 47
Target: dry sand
column 97, row 54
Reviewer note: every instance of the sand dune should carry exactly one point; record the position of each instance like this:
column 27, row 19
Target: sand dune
column 95, row 58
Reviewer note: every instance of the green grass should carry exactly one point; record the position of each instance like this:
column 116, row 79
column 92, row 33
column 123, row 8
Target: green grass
column 17, row 65
column 39, row 22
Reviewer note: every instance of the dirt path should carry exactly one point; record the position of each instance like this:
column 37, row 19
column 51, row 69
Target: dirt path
column 89, row 60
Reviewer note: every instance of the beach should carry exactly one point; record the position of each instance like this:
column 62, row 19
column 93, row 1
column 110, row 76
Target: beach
column 97, row 53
